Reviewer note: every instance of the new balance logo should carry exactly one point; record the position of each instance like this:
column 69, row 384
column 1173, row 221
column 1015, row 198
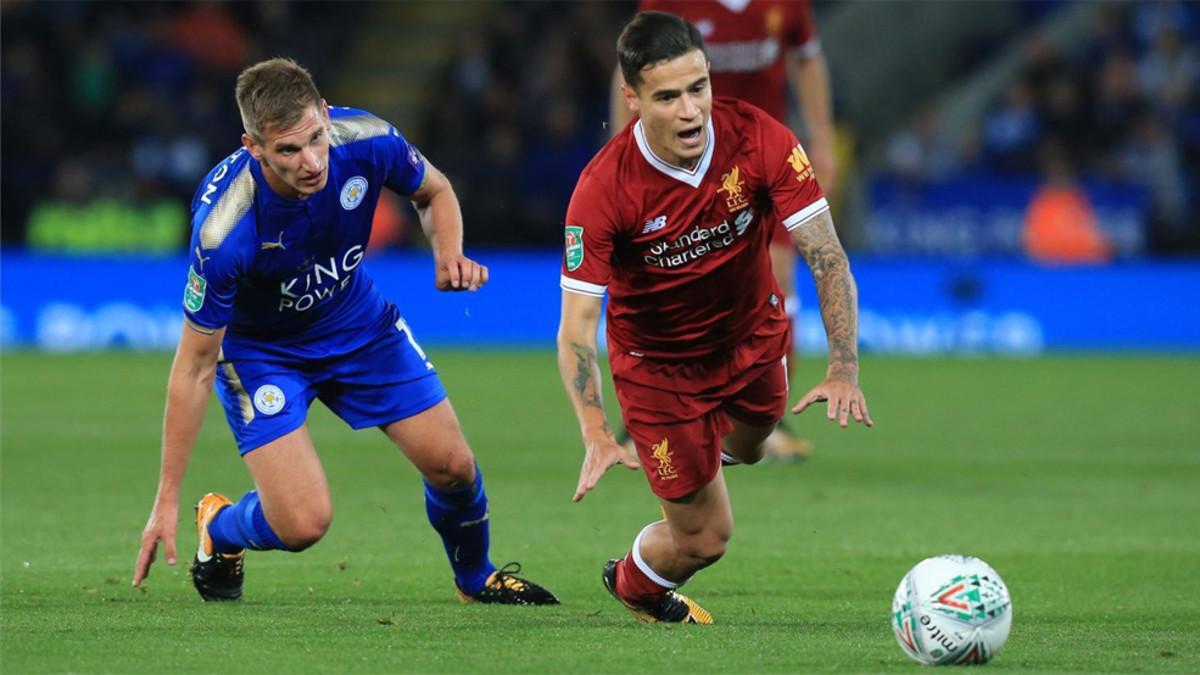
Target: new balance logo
column 655, row 224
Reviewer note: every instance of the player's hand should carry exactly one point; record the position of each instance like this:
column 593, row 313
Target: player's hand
column 844, row 398
column 459, row 273
column 603, row 453
column 160, row 527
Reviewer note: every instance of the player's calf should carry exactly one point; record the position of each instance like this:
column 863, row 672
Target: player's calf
column 225, row 530
column 461, row 517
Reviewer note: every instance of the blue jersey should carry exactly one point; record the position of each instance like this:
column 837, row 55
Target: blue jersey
column 285, row 276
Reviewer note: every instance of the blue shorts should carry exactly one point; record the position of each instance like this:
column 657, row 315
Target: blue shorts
column 388, row 380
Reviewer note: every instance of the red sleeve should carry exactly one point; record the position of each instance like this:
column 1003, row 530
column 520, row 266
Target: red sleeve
column 790, row 180
column 588, row 246
column 801, row 32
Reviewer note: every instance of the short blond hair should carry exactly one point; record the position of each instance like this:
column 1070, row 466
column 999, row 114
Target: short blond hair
column 277, row 91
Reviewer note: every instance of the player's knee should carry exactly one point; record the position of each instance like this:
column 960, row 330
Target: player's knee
column 704, row 552
column 755, row 454
column 705, row 549
column 747, row 453
column 304, row 531
column 748, row 444
column 457, row 471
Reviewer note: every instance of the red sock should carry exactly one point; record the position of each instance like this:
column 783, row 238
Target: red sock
column 634, row 586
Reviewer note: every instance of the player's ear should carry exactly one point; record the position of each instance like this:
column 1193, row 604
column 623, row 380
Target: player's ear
column 325, row 110
column 631, row 98
column 251, row 147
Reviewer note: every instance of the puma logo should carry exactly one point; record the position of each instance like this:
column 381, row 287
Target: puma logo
column 200, row 258
column 267, row 245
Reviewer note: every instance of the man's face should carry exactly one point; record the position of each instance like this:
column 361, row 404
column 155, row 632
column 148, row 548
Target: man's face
column 674, row 101
column 295, row 159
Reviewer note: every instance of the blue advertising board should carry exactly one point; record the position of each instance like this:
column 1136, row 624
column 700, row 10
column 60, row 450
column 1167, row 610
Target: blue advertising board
column 915, row 306
column 979, row 215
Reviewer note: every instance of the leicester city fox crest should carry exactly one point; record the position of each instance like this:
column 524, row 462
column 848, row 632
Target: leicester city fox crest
column 353, row 193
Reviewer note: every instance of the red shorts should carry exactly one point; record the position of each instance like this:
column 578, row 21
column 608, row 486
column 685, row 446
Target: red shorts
column 678, row 412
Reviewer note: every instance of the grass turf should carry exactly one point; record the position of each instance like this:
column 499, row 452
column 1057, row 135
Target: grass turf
column 1074, row 476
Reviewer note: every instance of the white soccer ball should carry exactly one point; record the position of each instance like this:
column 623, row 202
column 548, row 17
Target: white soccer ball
column 951, row 609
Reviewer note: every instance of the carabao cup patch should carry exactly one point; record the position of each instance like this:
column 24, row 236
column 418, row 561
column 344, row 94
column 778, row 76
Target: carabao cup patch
column 268, row 399
column 353, row 192
column 574, row 247
column 193, row 293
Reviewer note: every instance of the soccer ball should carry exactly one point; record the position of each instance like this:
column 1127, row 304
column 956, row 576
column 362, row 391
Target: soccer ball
column 951, row 609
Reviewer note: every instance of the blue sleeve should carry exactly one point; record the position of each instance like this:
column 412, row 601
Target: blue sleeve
column 404, row 164
column 212, row 281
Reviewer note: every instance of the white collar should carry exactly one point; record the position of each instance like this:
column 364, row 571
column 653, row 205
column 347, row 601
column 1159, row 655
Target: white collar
column 692, row 177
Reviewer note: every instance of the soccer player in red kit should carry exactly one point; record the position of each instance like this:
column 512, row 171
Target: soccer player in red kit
column 673, row 219
column 756, row 48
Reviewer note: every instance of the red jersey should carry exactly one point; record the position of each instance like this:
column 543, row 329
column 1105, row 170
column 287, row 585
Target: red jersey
column 683, row 254
column 747, row 42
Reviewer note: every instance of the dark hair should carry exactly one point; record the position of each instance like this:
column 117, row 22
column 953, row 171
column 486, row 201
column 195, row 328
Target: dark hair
column 653, row 37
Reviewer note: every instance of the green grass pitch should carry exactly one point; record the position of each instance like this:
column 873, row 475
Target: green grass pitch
column 1078, row 478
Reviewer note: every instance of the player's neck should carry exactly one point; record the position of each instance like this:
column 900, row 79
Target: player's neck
column 665, row 154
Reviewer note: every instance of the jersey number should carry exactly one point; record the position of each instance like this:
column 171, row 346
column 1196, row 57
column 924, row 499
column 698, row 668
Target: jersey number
column 402, row 326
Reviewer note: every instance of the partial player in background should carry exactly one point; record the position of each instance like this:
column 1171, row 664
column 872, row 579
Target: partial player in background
column 278, row 312
column 756, row 49
column 672, row 219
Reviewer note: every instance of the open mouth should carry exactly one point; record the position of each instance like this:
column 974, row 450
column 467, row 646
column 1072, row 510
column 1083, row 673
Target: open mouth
column 691, row 136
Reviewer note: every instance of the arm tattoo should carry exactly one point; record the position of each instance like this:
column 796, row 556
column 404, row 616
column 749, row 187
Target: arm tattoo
column 838, row 295
column 587, row 380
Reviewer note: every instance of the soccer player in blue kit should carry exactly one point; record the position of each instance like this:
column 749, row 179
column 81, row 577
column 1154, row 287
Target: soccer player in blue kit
column 278, row 311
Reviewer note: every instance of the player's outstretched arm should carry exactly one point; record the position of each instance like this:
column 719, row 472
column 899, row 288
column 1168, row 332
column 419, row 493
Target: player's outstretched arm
column 809, row 77
column 441, row 218
column 188, row 386
column 579, row 366
column 818, row 243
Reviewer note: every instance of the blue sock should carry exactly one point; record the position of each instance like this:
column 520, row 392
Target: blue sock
column 460, row 516
column 243, row 525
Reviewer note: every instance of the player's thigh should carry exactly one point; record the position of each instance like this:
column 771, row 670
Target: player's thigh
column 433, row 441
column 291, row 483
column 745, row 441
column 755, row 410
column 390, row 379
column 677, row 437
column 263, row 401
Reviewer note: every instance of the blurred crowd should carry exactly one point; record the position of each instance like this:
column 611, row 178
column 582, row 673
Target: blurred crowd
column 1125, row 109
column 113, row 111
column 123, row 107
column 523, row 109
